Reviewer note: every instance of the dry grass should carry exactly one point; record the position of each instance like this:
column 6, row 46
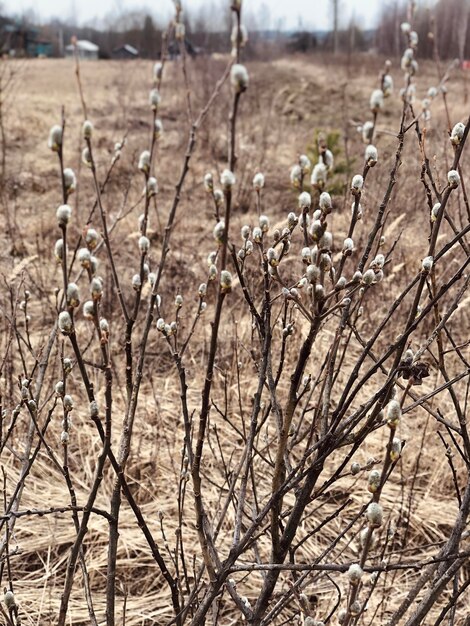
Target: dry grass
column 288, row 102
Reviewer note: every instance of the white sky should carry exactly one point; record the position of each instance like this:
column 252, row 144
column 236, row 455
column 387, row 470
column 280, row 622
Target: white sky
column 286, row 14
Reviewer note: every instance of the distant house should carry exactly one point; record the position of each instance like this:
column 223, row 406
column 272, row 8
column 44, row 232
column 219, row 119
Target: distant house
column 18, row 39
column 125, row 52
column 86, row 49
column 174, row 49
column 39, row 48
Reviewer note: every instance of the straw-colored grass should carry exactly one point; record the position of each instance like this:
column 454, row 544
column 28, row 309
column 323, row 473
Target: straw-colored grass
column 287, row 103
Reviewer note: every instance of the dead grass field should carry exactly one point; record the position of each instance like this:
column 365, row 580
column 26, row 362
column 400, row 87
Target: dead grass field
column 289, row 101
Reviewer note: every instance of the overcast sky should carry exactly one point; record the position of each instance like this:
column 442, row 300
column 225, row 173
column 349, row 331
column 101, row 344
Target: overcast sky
column 286, row 14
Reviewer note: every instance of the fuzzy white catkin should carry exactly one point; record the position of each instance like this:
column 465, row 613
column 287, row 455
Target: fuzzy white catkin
column 378, row 262
column 212, row 272
column 373, row 481
column 88, row 309
column 305, row 200
column 395, row 449
column 87, row 129
column 371, row 155
column 154, row 99
column 355, row 608
column 144, row 161
column 457, row 133
column 355, row 573
column 313, row 273
column 63, row 214
column 296, row 175
column 387, row 85
column 64, row 437
column 218, row 197
column 316, row 229
column 427, row 263
column 348, row 245
column 225, row 280
column 152, row 186
column 374, row 514
column 272, row 257
column 326, row 241
column 104, row 326
column 65, row 323
column 426, row 103
column 355, row 468
column 264, row 223
column 453, row 178
column 368, row 277
column 239, row 77
column 68, row 402
column 70, row 179
column 73, row 296
column 219, row 232
column 158, row 129
column 136, row 282
column 243, row 36
column 144, row 244
column 96, row 288
column 356, row 184
column 304, row 163
column 393, row 412
column 84, row 257
column 435, row 211
column 376, row 100
column 366, row 130
column 157, row 70
column 209, row 182
column 86, row 157
column 258, row 181
column 54, row 141
column 59, row 249
column 292, row 220
column 227, row 179
column 325, row 202
column 245, row 232
column 257, row 234
column 328, row 159
column 319, row 175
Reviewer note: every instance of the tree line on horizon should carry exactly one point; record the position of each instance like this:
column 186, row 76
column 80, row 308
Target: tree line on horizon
column 207, row 30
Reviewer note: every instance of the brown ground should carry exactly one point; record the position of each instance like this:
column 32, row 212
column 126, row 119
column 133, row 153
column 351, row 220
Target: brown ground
column 288, row 102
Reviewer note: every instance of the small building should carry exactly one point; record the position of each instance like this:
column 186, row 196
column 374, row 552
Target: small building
column 39, row 48
column 174, row 49
column 19, row 40
column 85, row 49
column 125, row 52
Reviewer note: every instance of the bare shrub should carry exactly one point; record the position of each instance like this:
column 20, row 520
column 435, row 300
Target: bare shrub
column 270, row 383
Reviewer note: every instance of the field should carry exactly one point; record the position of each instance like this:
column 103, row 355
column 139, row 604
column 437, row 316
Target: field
column 424, row 490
